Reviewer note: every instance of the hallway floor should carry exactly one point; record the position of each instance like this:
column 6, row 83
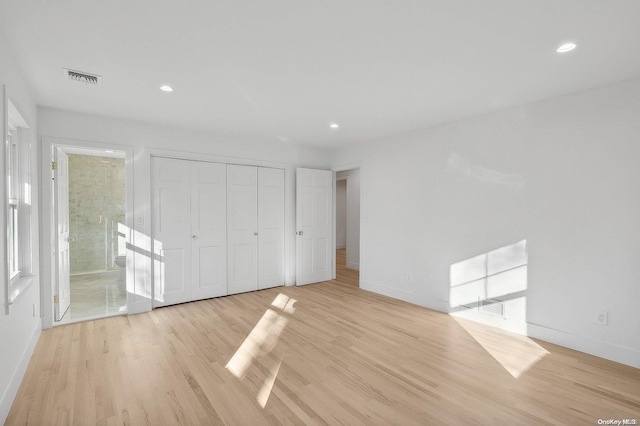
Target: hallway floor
column 344, row 275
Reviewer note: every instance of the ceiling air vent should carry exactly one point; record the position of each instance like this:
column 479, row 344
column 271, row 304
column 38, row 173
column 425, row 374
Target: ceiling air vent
column 82, row 77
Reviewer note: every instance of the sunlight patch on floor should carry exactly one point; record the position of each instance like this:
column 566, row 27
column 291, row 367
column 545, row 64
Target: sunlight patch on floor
column 260, row 342
column 265, row 391
column 516, row 353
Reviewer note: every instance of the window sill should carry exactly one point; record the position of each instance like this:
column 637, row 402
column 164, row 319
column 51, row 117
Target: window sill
column 18, row 286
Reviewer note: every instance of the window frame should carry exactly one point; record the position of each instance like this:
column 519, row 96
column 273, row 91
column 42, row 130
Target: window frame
column 17, row 195
column 13, row 203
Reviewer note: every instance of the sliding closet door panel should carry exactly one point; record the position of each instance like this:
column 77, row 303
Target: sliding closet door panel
column 171, row 231
column 208, row 229
column 270, row 227
column 242, row 230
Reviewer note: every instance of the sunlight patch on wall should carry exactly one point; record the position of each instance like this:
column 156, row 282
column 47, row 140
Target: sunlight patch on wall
column 488, row 294
column 136, row 244
column 159, row 271
column 493, row 283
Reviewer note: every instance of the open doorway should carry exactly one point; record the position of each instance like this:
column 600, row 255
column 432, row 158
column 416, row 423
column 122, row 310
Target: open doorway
column 348, row 227
column 90, row 207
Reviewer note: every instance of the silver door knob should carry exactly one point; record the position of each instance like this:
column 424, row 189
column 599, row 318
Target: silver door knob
column 255, row 233
column 300, row 232
column 195, row 237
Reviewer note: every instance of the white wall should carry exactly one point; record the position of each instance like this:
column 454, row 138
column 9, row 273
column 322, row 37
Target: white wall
column 341, row 214
column 57, row 126
column 20, row 329
column 561, row 174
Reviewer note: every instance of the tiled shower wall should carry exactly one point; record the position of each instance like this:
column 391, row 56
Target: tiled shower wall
column 96, row 206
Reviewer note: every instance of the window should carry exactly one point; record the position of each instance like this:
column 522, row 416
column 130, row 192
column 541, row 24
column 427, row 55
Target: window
column 13, row 177
column 18, row 148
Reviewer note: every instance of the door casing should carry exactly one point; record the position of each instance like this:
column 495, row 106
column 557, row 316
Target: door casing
column 62, row 281
column 48, row 259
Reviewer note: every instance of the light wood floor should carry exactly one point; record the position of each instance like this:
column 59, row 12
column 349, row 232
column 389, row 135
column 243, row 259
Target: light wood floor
column 327, row 353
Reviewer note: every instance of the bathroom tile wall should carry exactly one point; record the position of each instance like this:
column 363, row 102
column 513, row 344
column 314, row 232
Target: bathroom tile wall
column 96, row 206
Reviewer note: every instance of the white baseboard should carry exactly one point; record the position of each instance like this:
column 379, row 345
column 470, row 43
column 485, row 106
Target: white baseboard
column 18, row 374
column 405, row 296
column 290, row 280
column 518, row 327
column 599, row 348
column 140, row 307
column 606, row 350
column 353, row 265
column 386, row 290
column 436, row 305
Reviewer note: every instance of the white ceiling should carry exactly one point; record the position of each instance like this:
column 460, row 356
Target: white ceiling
column 285, row 69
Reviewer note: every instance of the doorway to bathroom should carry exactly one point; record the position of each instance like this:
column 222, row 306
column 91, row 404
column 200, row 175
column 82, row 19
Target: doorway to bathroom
column 89, row 214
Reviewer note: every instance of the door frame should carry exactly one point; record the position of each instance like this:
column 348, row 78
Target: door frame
column 48, row 237
column 335, row 170
column 60, row 286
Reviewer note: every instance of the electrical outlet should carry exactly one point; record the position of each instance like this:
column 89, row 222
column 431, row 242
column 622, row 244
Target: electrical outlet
column 409, row 277
column 602, row 318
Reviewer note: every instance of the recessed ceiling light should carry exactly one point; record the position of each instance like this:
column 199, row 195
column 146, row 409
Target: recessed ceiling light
column 166, row 88
column 334, row 125
column 566, row 47
column 109, row 151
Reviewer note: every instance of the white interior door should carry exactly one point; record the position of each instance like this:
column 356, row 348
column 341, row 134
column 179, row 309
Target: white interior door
column 171, row 230
column 208, row 229
column 62, row 293
column 270, row 227
column 314, row 222
column 242, row 228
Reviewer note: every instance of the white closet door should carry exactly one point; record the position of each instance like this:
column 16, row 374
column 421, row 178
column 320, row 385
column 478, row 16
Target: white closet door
column 208, row 230
column 314, row 221
column 242, row 230
column 270, row 227
column 171, row 231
